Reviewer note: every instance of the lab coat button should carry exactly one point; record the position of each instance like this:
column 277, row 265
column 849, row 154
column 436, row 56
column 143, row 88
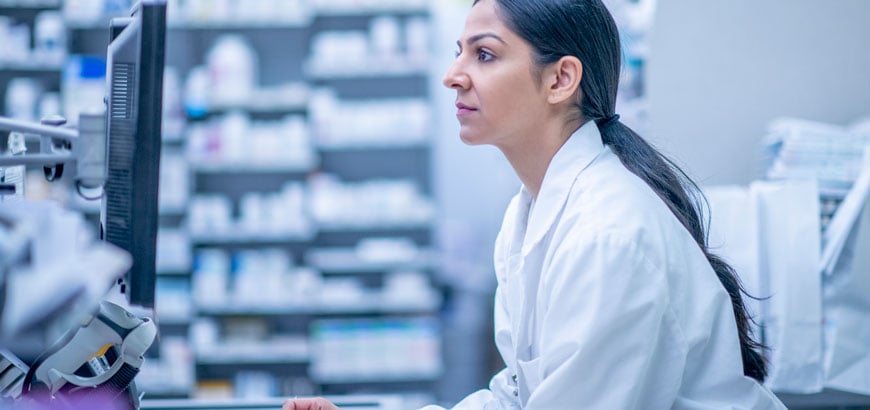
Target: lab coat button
column 514, row 378
column 516, row 392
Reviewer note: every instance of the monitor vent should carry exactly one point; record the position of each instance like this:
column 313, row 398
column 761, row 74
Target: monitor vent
column 122, row 87
column 122, row 149
column 118, row 219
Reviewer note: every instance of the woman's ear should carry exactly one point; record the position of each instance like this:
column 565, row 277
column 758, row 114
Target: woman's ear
column 563, row 78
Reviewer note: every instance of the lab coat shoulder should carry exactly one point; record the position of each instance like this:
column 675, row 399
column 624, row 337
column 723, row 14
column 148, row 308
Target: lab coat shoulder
column 609, row 199
column 611, row 222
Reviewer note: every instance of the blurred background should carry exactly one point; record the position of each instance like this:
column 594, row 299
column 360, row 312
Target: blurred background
column 323, row 230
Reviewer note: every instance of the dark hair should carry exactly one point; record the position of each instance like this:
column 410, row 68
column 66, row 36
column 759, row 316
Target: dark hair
column 586, row 30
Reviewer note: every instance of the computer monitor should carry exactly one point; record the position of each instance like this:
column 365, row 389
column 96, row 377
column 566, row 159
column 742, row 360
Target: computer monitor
column 134, row 94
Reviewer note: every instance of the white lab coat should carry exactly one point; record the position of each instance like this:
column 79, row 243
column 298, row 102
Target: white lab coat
column 604, row 301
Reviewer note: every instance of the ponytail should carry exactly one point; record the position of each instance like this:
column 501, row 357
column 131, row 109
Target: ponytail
column 684, row 199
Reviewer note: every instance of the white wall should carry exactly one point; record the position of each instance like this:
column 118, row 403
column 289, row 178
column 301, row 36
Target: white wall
column 720, row 70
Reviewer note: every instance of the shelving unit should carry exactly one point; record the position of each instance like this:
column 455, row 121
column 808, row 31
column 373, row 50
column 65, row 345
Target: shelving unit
column 16, row 62
column 354, row 294
column 289, row 79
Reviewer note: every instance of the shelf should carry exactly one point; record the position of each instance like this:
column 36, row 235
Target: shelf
column 251, row 168
column 31, row 66
column 347, row 261
column 150, row 392
column 297, row 23
column 155, row 384
column 173, row 271
column 381, row 306
column 279, row 99
column 301, row 22
column 101, row 23
column 266, row 359
column 255, row 107
column 385, row 144
column 368, row 305
column 221, row 357
column 371, row 69
column 229, row 238
column 378, row 378
column 173, row 138
column 281, row 350
column 374, row 8
column 172, row 209
column 93, row 207
column 171, row 320
column 375, row 226
column 29, row 5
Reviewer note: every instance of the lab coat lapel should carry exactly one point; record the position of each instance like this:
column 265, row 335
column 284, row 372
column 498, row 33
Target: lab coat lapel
column 571, row 159
column 574, row 156
column 515, row 275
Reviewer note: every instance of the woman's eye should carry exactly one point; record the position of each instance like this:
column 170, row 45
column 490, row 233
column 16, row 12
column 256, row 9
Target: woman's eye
column 484, row 56
column 456, row 53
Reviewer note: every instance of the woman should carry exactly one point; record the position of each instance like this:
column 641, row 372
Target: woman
column 608, row 297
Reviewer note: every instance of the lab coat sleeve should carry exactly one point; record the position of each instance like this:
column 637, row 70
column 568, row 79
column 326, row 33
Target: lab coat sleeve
column 603, row 330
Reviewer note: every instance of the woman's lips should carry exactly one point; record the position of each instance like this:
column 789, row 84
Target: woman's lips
column 464, row 110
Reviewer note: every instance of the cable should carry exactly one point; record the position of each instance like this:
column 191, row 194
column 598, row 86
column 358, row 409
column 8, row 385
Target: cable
column 79, row 187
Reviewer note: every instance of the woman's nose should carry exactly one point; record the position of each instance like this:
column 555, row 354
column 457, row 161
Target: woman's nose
column 454, row 78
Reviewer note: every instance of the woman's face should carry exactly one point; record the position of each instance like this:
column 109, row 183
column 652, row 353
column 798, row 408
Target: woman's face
column 499, row 100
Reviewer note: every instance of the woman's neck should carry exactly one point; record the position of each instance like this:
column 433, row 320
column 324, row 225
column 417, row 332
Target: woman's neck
column 530, row 156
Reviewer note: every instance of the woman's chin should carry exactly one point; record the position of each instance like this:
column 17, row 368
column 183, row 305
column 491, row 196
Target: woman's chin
column 469, row 138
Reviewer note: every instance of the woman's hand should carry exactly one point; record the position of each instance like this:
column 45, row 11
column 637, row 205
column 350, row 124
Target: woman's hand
column 317, row 403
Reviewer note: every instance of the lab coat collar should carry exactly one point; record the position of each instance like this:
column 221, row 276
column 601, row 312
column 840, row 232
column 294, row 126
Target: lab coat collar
column 573, row 157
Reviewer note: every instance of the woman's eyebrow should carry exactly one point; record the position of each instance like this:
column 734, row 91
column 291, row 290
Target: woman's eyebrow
column 477, row 37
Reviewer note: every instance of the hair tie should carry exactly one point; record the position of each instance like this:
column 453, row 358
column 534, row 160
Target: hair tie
column 607, row 121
